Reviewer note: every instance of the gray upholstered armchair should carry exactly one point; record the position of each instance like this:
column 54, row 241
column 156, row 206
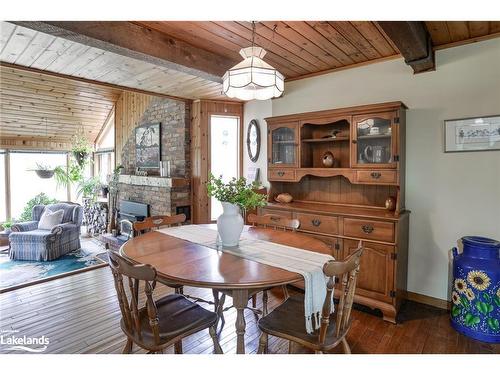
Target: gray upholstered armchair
column 27, row 242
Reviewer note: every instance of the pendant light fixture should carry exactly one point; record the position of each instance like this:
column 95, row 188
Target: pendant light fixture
column 253, row 78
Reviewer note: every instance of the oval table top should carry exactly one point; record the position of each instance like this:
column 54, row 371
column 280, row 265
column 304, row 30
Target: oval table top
column 183, row 262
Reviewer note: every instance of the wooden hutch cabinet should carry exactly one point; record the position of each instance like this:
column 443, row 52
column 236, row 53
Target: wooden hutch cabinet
column 345, row 202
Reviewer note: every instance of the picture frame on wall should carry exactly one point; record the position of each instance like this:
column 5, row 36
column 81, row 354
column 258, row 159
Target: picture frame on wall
column 472, row 134
column 148, row 146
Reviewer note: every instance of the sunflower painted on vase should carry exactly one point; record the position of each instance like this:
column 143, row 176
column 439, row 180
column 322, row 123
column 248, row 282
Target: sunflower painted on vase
column 475, row 311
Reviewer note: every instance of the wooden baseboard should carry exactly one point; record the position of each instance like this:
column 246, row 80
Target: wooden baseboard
column 427, row 300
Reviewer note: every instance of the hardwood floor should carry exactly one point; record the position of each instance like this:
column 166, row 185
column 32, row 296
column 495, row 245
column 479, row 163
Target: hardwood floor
column 80, row 314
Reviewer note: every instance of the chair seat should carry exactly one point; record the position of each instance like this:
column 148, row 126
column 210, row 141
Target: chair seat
column 177, row 317
column 288, row 321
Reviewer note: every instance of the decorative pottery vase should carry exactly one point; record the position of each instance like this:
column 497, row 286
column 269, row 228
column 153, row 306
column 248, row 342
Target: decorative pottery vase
column 475, row 310
column 283, row 198
column 230, row 225
column 328, row 159
column 390, row 204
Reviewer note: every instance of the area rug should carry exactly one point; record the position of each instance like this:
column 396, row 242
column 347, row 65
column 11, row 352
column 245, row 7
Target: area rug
column 17, row 273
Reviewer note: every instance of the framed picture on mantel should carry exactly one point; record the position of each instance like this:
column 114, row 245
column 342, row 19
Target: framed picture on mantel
column 472, row 134
column 148, row 146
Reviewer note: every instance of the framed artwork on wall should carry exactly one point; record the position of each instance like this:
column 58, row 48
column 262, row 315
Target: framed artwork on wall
column 472, row 134
column 148, row 146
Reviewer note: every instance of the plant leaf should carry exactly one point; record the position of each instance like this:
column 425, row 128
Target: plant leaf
column 455, row 311
column 464, row 301
column 494, row 324
column 497, row 300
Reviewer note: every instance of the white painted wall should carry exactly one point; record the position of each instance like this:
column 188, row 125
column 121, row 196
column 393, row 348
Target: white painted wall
column 257, row 110
column 450, row 195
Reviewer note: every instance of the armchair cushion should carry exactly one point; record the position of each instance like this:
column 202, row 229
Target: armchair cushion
column 24, row 227
column 32, row 236
column 50, row 219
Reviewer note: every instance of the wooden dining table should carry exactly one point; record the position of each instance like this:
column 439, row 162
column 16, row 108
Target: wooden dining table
column 183, row 262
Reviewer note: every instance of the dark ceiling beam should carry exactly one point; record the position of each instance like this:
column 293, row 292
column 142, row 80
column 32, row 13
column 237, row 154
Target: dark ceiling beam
column 139, row 42
column 413, row 41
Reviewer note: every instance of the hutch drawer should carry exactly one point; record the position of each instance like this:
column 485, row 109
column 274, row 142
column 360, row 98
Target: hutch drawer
column 266, row 211
column 369, row 229
column 318, row 223
column 281, row 174
column 377, row 177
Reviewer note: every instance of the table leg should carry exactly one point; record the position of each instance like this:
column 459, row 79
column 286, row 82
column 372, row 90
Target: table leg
column 240, row 301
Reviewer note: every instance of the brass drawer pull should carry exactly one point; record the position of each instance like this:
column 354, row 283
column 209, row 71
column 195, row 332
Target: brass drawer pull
column 367, row 228
column 275, row 218
column 376, row 175
column 316, row 222
column 280, row 173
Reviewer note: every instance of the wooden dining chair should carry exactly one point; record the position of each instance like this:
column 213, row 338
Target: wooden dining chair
column 268, row 221
column 287, row 321
column 157, row 222
column 161, row 323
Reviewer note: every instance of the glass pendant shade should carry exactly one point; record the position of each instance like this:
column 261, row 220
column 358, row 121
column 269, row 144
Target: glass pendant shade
column 253, row 78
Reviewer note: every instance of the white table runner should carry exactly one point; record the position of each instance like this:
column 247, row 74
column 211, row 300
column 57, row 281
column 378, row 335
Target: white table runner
column 307, row 263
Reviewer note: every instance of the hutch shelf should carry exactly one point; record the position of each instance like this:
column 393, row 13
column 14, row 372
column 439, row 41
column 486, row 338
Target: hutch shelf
column 345, row 203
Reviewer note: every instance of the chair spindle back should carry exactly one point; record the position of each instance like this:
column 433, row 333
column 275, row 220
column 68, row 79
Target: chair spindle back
column 346, row 271
column 129, row 304
column 156, row 222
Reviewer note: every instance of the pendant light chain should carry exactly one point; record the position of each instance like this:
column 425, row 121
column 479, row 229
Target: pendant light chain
column 253, row 47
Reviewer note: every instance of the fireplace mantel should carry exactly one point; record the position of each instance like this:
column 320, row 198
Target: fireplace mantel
column 154, row 181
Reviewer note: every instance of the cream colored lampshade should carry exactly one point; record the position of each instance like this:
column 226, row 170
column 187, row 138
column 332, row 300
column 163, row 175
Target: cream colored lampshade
column 253, row 78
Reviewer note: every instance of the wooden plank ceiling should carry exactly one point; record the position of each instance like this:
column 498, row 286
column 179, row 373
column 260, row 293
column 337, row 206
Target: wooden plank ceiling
column 447, row 33
column 296, row 48
column 24, row 46
column 299, row 49
column 34, row 105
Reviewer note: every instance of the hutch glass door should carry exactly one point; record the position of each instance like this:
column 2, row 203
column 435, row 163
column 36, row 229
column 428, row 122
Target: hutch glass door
column 283, row 146
column 374, row 140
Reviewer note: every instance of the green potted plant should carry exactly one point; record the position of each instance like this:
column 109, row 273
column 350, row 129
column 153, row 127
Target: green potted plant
column 67, row 176
column 43, row 171
column 81, row 148
column 89, row 188
column 7, row 226
column 235, row 195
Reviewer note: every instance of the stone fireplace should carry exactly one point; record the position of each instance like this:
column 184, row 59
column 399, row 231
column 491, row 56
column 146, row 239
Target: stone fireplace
column 165, row 195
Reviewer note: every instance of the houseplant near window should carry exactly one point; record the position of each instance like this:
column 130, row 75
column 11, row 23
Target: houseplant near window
column 81, row 148
column 6, row 226
column 236, row 195
column 43, row 171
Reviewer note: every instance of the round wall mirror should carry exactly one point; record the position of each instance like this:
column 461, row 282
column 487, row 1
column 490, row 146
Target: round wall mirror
column 253, row 140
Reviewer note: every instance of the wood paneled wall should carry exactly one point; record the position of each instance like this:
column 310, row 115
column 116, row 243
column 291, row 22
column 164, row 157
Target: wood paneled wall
column 129, row 109
column 200, row 151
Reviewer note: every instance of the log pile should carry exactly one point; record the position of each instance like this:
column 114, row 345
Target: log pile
column 95, row 217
